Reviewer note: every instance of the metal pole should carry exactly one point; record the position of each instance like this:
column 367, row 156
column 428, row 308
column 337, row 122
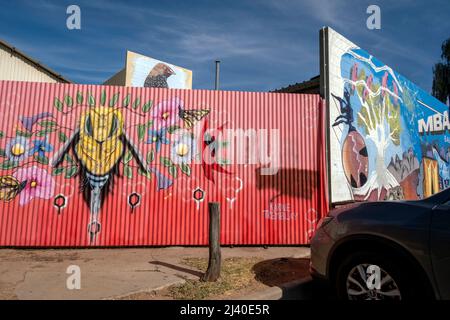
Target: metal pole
column 217, row 75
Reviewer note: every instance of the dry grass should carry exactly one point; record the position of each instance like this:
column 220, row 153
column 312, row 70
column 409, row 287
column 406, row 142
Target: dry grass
column 236, row 274
column 239, row 277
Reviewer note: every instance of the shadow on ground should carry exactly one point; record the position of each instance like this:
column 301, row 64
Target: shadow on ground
column 177, row 268
column 278, row 272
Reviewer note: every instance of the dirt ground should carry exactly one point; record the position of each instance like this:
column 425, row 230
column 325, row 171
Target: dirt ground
column 239, row 277
column 146, row 273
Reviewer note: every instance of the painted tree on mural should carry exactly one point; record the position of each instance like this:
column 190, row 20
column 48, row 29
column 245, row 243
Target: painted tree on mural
column 379, row 116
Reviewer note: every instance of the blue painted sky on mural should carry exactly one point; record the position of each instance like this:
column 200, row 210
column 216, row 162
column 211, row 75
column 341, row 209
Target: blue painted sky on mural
column 263, row 45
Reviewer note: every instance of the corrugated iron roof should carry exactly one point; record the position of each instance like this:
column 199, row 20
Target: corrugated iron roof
column 310, row 86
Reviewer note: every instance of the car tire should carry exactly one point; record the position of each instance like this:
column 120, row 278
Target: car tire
column 405, row 281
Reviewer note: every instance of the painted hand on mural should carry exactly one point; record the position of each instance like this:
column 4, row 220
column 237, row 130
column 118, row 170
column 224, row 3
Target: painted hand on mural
column 374, row 90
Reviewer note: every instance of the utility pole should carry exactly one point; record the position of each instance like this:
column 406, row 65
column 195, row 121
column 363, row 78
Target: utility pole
column 216, row 87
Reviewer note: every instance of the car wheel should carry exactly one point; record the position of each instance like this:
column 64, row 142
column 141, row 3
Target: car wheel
column 374, row 276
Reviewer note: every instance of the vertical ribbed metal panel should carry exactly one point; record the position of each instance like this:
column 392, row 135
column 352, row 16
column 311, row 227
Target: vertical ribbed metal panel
column 15, row 67
column 274, row 209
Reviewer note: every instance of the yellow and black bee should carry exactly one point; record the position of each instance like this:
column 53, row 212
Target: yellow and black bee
column 99, row 144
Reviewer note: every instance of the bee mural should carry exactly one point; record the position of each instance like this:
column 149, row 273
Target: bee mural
column 99, row 143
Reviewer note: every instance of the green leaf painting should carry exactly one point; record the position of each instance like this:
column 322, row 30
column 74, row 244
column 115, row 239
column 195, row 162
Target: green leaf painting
column 146, row 107
column 58, row 104
column 127, row 157
column 69, row 159
column 166, row 161
column 68, row 101
column 172, row 129
column 7, row 164
column 173, row 171
column 128, row 171
column 137, row 103
column 42, row 160
column 79, row 97
column 91, row 100
column 113, row 100
column 71, row 172
column 48, row 124
column 126, row 101
column 57, row 171
column 103, row 98
column 62, row 137
column 185, row 169
column 44, row 132
column 148, row 175
column 21, row 133
column 150, row 156
column 141, row 132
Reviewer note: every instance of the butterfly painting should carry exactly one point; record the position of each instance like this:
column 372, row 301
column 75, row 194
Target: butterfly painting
column 190, row 117
column 10, row 187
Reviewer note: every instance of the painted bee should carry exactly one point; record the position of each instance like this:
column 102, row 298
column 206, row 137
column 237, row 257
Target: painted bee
column 99, row 144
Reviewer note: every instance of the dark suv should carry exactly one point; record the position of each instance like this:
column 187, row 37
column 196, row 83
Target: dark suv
column 386, row 250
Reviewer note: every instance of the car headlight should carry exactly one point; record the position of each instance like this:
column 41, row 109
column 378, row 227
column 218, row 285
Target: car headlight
column 324, row 221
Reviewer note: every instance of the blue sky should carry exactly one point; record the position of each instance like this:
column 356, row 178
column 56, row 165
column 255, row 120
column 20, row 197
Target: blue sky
column 263, row 44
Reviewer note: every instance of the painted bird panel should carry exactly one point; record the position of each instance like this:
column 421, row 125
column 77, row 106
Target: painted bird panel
column 157, row 78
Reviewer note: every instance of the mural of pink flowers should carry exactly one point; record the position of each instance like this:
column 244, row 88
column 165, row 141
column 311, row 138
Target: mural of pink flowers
column 384, row 83
column 39, row 184
column 369, row 82
column 165, row 114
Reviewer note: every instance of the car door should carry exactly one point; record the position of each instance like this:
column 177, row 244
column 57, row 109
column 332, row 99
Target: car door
column 440, row 247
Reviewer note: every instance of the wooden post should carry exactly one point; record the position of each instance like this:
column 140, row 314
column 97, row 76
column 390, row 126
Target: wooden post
column 215, row 256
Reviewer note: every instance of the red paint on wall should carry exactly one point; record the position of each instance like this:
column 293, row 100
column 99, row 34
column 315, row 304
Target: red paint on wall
column 279, row 209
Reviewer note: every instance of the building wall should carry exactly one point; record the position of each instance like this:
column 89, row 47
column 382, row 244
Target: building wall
column 388, row 137
column 143, row 71
column 14, row 67
column 117, row 79
column 189, row 142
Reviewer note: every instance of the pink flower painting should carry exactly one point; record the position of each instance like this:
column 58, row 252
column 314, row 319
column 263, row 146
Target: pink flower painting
column 165, row 114
column 369, row 82
column 354, row 75
column 39, row 184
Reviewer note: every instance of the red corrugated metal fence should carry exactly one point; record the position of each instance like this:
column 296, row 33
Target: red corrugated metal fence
column 42, row 205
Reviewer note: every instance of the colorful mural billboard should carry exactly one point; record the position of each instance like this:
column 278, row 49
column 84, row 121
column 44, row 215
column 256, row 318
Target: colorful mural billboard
column 388, row 139
column 143, row 71
column 85, row 165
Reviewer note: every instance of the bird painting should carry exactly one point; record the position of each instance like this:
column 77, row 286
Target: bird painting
column 157, row 78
